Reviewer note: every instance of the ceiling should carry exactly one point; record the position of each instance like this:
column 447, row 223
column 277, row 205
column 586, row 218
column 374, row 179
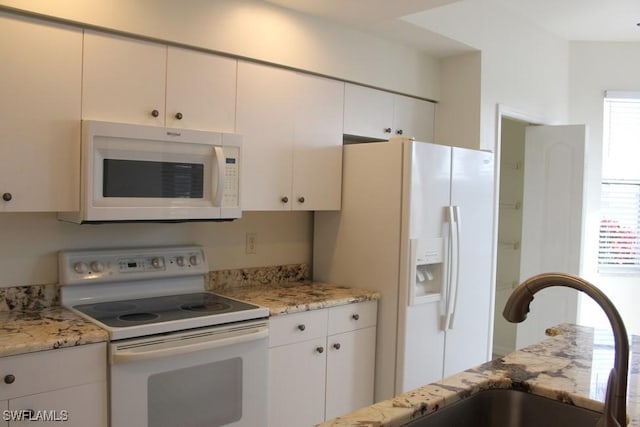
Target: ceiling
column 585, row 20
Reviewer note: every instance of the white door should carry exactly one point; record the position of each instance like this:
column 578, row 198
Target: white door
column 552, row 222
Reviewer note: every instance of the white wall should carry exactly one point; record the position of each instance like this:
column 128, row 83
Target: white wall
column 258, row 30
column 594, row 68
column 30, row 242
column 523, row 67
column 458, row 111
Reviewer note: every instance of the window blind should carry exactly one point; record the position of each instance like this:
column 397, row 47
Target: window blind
column 619, row 242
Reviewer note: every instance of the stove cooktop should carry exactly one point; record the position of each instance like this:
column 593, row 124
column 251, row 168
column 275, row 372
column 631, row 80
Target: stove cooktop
column 135, row 312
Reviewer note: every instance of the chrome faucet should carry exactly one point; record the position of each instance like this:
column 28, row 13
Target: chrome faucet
column 517, row 307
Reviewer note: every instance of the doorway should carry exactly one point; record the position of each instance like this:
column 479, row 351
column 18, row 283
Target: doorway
column 511, row 184
column 540, row 223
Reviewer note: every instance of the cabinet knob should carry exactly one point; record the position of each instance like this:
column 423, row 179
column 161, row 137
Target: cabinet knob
column 9, row 379
column 284, row 199
column 179, row 116
column 302, row 327
column 155, row 113
column 387, row 130
column 301, row 199
column 320, row 349
column 7, row 197
column 337, row 346
column 399, row 132
column 355, row 316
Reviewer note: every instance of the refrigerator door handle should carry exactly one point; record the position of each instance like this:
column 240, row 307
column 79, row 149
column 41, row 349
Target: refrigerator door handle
column 413, row 250
column 456, row 267
column 446, row 291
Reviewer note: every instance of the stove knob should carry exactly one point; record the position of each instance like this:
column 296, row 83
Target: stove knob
column 194, row 260
column 157, row 262
column 80, row 267
column 97, row 267
column 181, row 261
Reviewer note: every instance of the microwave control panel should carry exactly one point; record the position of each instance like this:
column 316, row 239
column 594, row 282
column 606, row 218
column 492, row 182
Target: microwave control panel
column 231, row 194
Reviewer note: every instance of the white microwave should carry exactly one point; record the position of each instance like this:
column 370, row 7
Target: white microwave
column 148, row 173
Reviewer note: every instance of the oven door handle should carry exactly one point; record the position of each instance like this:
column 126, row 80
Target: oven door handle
column 138, row 354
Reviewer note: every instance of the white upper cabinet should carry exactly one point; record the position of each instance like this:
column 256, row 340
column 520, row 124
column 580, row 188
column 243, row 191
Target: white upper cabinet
column 413, row 118
column 40, row 80
column 376, row 114
column 123, row 80
column 201, row 91
column 317, row 154
column 134, row 81
column 292, row 139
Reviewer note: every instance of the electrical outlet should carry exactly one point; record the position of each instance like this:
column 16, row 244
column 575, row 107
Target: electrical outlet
column 250, row 244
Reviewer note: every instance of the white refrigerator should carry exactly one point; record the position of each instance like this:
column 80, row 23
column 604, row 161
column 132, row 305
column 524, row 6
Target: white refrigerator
column 416, row 225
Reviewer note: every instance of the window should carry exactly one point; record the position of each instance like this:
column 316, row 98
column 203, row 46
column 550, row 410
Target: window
column 619, row 245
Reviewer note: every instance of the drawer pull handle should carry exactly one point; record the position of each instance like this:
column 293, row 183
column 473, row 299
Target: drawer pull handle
column 355, row 316
column 179, row 116
column 337, row 346
column 320, row 350
column 155, row 113
column 9, row 379
column 284, row 199
column 302, row 327
column 7, row 197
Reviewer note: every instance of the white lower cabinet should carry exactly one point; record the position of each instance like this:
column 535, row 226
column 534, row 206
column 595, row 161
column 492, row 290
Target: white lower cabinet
column 350, row 367
column 58, row 387
column 321, row 364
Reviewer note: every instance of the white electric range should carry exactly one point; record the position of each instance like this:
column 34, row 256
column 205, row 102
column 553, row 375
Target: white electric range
column 179, row 355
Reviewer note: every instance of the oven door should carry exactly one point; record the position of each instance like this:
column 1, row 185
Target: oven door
column 204, row 377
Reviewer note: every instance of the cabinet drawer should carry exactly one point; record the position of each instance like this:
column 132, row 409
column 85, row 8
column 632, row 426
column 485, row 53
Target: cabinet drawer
column 53, row 369
column 298, row 327
column 350, row 317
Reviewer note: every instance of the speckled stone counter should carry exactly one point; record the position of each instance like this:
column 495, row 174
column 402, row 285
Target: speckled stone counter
column 287, row 298
column 45, row 329
column 571, row 366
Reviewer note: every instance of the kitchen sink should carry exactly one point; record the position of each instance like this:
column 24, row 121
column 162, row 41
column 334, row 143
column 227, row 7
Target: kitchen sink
column 508, row 408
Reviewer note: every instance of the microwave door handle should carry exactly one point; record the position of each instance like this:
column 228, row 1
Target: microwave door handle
column 220, row 187
column 128, row 356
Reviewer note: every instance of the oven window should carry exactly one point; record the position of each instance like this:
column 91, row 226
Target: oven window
column 142, row 178
column 205, row 395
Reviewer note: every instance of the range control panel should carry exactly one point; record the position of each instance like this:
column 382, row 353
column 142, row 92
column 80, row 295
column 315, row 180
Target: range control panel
column 113, row 265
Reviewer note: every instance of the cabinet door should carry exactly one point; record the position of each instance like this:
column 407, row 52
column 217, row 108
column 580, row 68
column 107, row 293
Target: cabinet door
column 4, row 405
column 297, row 384
column 350, row 371
column 368, row 112
column 265, row 106
column 123, row 80
column 413, row 118
column 79, row 406
column 317, row 156
column 201, row 91
column 40, row 80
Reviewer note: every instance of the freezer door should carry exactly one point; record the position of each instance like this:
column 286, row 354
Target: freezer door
column 420, row 335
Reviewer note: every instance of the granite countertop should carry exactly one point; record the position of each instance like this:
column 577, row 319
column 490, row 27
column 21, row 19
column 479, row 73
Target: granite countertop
column 30, row 328
column 290, row 298
column 571, row 366
column 25, row 331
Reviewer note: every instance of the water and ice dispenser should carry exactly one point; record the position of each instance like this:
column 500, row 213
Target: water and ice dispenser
column 427, row 270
